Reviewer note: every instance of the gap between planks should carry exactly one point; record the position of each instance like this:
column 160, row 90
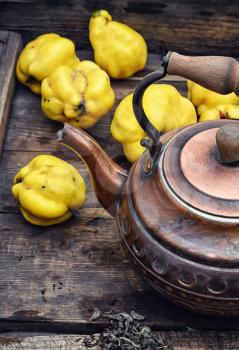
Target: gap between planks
column 10, row 44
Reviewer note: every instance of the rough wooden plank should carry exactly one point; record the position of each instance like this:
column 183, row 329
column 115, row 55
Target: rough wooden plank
column 38, row 342
column 9, row 47
column 179, row 340
column 61, row 273
column 193, row 26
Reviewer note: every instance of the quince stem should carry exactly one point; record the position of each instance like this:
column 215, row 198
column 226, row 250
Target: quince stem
column 96, row 13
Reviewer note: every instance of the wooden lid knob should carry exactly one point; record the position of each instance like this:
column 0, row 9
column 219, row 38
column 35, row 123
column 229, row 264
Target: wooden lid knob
column 227, row 138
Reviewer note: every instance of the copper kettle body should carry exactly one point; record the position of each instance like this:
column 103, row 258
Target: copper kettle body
column 181, row 231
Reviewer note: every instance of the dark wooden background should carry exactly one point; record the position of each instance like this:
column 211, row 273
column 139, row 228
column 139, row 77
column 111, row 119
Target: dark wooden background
column 188, row 26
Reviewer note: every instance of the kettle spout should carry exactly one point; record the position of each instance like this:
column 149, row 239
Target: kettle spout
column 107, row 177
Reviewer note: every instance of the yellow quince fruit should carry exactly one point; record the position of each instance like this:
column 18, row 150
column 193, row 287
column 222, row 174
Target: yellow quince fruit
column 79, row 96
column 164, row 106
column 118, row 49
column 220, row 112
column 41, row 56
column 211, row 105
column 48, row 189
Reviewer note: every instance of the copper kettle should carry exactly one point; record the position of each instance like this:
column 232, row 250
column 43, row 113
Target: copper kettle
column 178, row 207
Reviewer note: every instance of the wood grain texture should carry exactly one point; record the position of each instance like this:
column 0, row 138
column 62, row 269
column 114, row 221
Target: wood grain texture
column 9, row 48
column 219, row 74
column 199, row 27
column 179, row 340
column 52, row 278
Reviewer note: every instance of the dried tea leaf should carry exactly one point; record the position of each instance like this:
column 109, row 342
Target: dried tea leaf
column 136, row 316
column 95, row 315
column 126, row 316
column 146, row 331
column 116, row 317
column 90, row 341
column 130, row 342
column 126, row 333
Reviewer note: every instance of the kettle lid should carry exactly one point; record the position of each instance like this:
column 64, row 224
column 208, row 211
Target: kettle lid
column 194, row 173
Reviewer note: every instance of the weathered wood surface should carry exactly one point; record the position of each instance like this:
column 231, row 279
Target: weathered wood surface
column 179, row 340
column 198, row 26
column 52, row 278
column 9, row 46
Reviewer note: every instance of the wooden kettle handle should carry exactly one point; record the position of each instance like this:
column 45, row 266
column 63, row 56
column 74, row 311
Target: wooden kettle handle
column 217, row 73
